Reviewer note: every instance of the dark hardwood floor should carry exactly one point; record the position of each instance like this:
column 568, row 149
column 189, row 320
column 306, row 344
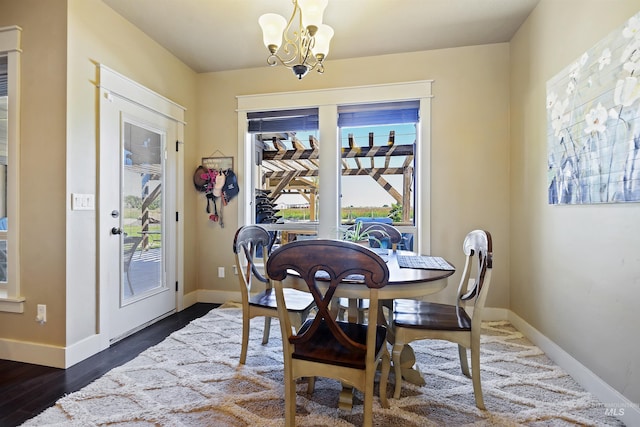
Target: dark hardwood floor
column 26, row 389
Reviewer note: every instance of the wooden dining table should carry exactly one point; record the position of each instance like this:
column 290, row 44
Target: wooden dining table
column 403, row 282
column 411, row 283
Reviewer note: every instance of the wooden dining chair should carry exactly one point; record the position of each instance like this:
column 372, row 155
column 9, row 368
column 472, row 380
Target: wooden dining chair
column 418, row 320
column 263, row 303
column 325, row 346
column 379, row 231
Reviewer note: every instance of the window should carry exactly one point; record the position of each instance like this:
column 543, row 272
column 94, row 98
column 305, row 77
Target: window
column 286, row 168
column 286, row 165
column 10, row 299
column 317, row 156
column 378, row 144
column 378, row 147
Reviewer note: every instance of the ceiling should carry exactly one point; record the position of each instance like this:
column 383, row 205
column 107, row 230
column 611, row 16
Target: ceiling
column 218, row 35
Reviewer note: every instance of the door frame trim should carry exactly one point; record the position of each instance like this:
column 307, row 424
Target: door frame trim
column 123, row 87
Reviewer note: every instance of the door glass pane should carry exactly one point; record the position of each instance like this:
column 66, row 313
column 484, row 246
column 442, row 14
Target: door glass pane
column 142, row 251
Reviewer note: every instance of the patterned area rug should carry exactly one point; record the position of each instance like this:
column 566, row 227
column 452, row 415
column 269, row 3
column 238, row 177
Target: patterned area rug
column 192, row 378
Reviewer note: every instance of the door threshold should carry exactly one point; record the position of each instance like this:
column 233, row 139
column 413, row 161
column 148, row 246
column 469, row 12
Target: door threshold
column 141, row 327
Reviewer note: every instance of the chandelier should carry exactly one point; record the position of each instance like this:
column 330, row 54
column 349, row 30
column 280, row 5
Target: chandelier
column 302, row 48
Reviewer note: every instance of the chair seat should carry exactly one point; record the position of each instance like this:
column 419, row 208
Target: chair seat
column 428, row 315
column 325, row 348
column 296, row 300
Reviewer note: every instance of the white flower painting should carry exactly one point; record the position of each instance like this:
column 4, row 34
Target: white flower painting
column 593, row 123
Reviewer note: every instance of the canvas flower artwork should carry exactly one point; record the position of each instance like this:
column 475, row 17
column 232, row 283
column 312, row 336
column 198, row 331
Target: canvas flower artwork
column 593, row 123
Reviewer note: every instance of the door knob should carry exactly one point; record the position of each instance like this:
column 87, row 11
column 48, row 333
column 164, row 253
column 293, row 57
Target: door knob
column 116, row 230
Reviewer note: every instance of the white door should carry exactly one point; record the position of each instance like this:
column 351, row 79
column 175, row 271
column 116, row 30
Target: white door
column 137, row 209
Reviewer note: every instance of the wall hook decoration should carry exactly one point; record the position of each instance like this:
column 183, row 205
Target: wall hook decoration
column 217, row 184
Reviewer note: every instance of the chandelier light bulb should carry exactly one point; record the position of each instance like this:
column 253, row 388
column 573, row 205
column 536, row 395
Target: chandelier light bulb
column 272, row 28
column 312, row 12
column 322, row 39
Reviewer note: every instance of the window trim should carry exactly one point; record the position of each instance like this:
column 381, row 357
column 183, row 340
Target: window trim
column 10, row 44
column 328, row 100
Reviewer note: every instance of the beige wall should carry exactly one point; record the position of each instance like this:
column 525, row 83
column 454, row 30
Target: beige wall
column 575, row 270
column 42, row 178
column 470, row 134
column 62, row 41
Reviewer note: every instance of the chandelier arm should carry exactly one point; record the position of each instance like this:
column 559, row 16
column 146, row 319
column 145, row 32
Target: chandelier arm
column 289, row 51
column 307, row 44
column 285, row 61
column 272, row 60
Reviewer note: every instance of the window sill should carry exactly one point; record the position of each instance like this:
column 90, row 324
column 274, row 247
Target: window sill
column 11, row 305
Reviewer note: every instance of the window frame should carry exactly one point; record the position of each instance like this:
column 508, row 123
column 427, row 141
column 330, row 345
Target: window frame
column 327, row 102
column 10, row 45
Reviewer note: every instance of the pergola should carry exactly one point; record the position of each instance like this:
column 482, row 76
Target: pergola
column 295, row 170
column 149, row 173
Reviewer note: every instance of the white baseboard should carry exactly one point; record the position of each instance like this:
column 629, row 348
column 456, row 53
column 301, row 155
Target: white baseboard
column 618, row 405
column 84, row 349
column 189, row 299
column 36, row 353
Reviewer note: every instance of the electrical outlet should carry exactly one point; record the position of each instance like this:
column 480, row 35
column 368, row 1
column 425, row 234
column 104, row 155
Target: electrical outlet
column 221, row 272
column 235, row 269
column 42, row 313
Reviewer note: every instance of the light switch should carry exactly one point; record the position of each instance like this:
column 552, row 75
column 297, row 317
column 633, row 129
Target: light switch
column 83, row 202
